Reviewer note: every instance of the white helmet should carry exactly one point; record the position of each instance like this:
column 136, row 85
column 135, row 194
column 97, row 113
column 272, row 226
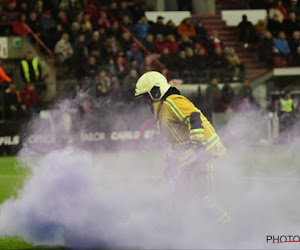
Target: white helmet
column 153, row 83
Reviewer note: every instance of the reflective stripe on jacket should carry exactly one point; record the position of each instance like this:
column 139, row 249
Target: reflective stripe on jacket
column 35, row 66
column 185, row 127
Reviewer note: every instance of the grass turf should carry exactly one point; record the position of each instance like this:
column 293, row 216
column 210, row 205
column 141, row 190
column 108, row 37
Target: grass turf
column 11, row 179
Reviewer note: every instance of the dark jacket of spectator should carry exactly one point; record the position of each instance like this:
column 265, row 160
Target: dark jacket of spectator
column 201, row 32
column 158, row 27
column 218, row 59
column 290, row 25
column 148, row 42
column 274, row 26
column 265, row 50
column 247, row 31
column 296, row 58
column 294, row 42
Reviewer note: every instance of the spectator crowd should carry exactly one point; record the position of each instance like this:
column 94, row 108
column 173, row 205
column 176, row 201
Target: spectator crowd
column 277, row 38
column 107, row 45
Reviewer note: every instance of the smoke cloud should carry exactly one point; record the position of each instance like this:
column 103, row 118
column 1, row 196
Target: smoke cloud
column 78, row 198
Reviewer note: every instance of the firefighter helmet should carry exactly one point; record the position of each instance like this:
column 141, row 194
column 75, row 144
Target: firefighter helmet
column 153, row 83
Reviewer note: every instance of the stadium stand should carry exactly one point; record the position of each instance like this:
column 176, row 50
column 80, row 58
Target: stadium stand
column 88, row 42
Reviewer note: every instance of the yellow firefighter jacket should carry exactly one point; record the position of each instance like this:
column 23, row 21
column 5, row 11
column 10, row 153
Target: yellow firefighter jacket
column 185, row 128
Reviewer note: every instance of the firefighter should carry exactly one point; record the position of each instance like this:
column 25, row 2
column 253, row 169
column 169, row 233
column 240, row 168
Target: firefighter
column 194, row 145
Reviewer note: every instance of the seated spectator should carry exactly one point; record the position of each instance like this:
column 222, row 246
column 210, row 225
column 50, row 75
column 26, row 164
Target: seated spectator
column 294, row 7
column 48, row 25
column 113, row 8
column 129, row 86
column 23, row 8
column 86, row 32
column 201, row 32
column 247, row 32
column 227, row 96
column 5, row 27
column 91, row 9
column 148, row 64
column 34, row 24
column 282, row 45
column 294, row 42
column 148, row 42
column 127, row 23
column 172, row 44
column 91, row 68
column 274, row 25
column 31, row 99
column 186, row 27
column 180, row 64
column 63, row 49
column 117, row 98
column 56, row 36
column 273, row 10
column 80, row 55
column 142, row 28
column 115, row 30
column 19, row 26
column 218, row 61
column 3, row 76
column 213, row 98
column 186, row 42
column 103, row 84
column 75, row 28
column 201, row 58
column 12, row 102
column 296, row 57
column 135, row 54
column 191, row 65
column 166, row 58
column 63, row 20
column 233, row 62
column 260, row 28
column 246, row 95
column 88, row 22
column 103, row 21
column 282, row 9
column 38, row 8
column 171, row 28
column 266, row 49
column 214, row 42
column 121, row 68
column 159, row 43
column 123, row 11
column 31, row 71
column 291, row 24
column 114, row 45
column 96, row 43
column 158, row 27
column 125, row 42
